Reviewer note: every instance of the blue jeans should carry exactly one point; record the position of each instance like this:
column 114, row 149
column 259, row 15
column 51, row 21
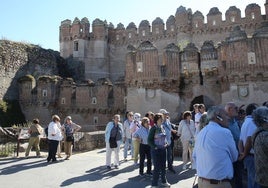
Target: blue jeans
column 159, row 160
column 250, row 166
column 128, row 143
column 170, row 157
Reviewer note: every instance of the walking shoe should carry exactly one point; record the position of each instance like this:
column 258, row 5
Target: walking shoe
column 116, row 166
column 125, row 159
column 172, row 170
column 165, row 184
column 141, row 175
column 108, row 167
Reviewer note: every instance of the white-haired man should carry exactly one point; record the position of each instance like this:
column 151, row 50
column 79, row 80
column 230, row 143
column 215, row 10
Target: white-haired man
column 215, row 151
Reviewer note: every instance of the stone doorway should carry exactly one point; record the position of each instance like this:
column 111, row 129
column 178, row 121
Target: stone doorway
column 202, row 99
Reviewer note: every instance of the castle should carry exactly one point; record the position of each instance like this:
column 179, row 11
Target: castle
column 168, row 65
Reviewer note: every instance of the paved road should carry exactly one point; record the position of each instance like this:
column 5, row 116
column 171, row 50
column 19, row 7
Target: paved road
column 82, row 170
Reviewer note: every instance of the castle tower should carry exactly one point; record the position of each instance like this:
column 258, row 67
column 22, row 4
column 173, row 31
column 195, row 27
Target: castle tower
column 65, row 38
column 214, row 18
column 96, row 59
column 80, row 36
column 171, row 26
column 233, row 15
column 198, row 21
column 183, row 22
column 183, row 18
column 120, row 32
column 131, row 31
column 158, row 27
column 144, row 29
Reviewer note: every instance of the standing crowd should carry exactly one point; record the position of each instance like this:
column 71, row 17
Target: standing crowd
column 56, row 134
column 226, row 145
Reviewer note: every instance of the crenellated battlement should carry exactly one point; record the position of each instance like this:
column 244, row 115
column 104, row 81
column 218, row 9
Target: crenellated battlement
column 183, row 21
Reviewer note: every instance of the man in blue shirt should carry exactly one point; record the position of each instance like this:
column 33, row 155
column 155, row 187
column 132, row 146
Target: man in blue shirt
column 233, row 126
column 168, row 129
column 215, row 151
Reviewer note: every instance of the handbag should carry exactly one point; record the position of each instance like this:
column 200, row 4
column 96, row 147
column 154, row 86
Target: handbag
column 70, row 138
column 113, row 143
column 192, row 140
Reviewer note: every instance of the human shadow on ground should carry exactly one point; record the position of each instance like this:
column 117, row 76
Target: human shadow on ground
column 102, row 173
column 28, row 164
column 8, row 160
column 98, row 173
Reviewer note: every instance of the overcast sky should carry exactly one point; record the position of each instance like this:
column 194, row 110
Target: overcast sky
column 37, row 22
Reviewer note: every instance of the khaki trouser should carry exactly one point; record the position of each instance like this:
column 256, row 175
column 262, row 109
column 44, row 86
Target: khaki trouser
column 68, row 148
column 136, row 146
column 207, row 184
column 33, row 141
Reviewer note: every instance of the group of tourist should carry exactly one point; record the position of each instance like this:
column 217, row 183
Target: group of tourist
column 56, row 133
column 221, row 144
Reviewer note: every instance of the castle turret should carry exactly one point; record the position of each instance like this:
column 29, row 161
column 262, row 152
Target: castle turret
column 80, row 35
column 198, row 21
column 214, row 18
column 158, row 27
column 183, row 19
column 85, row 27
column 233, row 15
column 253, row 13
column 131, row 31
column 144, row 29
column 99, row 30
column 171, row 25
column 120, row 32
column 65, row 38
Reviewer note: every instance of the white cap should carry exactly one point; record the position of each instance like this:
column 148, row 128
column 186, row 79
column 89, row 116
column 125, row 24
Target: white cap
column 163, row 111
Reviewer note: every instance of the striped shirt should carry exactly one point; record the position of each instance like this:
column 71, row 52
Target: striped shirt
column 142, row 133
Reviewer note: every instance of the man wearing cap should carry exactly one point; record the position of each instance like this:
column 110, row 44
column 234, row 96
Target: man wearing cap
column 168, row 129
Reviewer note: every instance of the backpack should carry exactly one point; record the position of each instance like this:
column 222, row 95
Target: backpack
column 46, row 131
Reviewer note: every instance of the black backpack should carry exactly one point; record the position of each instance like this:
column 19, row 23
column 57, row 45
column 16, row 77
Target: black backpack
column 46, row 131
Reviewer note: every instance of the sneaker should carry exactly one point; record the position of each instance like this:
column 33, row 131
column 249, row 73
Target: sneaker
column 116, row 166
column 184, row 167
column 172, row 170
column 59, row 156
column 165, row 184
column 108, row 167
column 141, row 175
column 125, row 159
